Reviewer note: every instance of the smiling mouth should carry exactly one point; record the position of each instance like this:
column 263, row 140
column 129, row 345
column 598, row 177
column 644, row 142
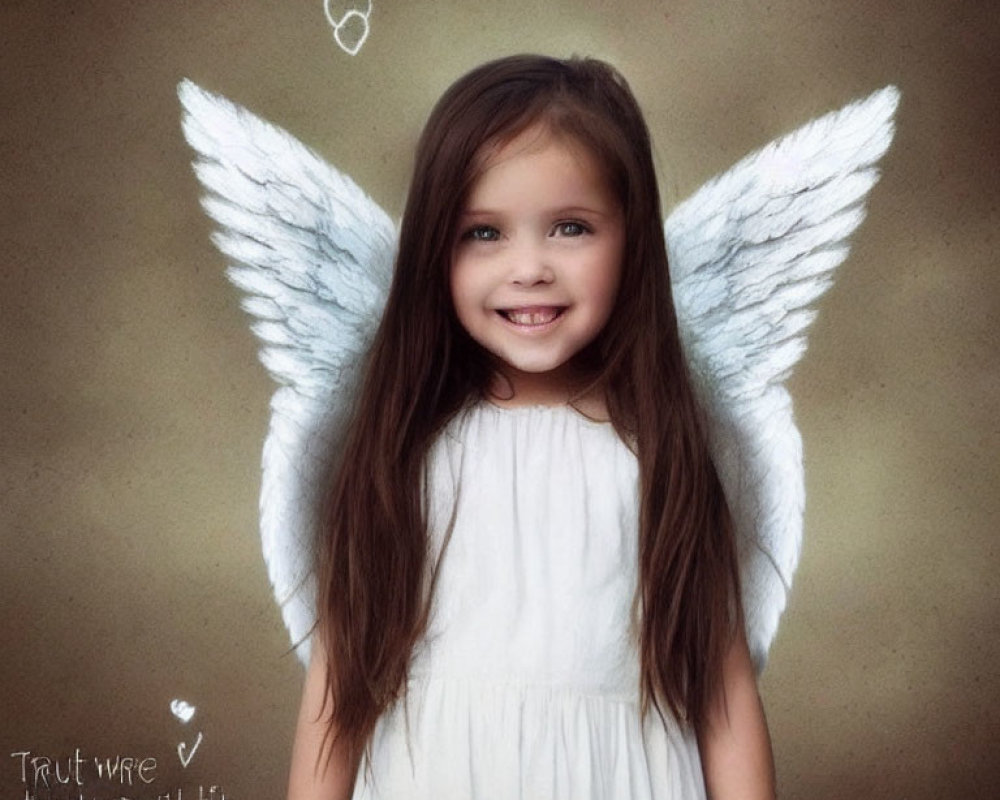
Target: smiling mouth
column 531, row 316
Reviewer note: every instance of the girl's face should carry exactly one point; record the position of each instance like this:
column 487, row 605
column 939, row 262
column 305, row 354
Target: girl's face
column 537, row 262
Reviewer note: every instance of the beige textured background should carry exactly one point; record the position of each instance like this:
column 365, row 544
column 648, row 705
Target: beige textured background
column 134, row 407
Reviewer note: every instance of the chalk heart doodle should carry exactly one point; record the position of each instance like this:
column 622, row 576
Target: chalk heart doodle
column 183, row 710
column 184, row 755
column 350, row 25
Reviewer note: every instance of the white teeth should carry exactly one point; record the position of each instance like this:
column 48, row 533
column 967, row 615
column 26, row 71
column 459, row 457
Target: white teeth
column 532, row 317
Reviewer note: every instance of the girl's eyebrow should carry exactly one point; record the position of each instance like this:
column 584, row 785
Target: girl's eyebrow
column 569, row 210
column 555, row 212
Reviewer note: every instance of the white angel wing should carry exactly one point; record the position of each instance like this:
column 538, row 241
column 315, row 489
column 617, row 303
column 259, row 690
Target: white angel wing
column 314, row 256
column 750, row 252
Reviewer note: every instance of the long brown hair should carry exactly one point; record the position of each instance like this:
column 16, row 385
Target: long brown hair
column 372, row 555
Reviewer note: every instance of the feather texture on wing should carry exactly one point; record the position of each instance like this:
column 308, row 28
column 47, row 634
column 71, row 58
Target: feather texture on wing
column 750, row 252
column 313, row 255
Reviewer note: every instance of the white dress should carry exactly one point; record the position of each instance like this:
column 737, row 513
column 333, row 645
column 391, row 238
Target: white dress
column 526, row 684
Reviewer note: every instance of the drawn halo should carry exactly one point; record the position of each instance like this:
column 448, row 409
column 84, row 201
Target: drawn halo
column 337, row 25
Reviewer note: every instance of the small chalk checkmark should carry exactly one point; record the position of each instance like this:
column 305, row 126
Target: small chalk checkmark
column 182, row 748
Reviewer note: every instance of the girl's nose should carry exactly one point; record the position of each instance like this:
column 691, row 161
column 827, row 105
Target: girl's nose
column 530, row 266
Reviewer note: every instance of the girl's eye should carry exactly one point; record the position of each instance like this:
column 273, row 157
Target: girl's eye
column 481, row 233
column 571, row 229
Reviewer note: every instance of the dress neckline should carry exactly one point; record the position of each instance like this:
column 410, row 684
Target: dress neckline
column 539, row 409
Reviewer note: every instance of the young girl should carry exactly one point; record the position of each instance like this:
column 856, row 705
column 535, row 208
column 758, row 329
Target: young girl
column 528, row 580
